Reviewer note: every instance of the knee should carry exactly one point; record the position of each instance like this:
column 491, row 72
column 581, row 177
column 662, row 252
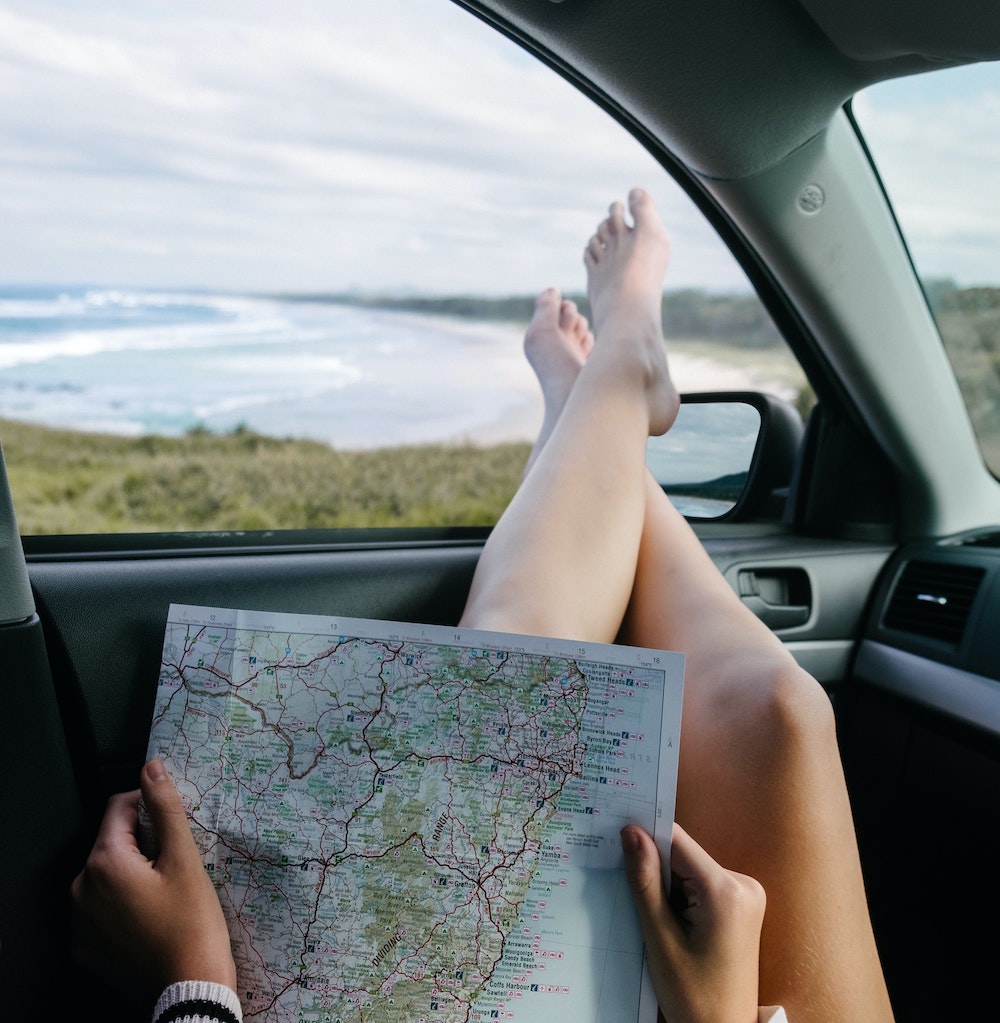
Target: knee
column 760, row 742
column 794, row 707
column 772, row 705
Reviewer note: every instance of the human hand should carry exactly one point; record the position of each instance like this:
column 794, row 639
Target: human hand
column 145, row 923
column 703, row 957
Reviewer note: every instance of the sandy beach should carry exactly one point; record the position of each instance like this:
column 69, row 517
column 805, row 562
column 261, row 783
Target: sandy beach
column 521, row 419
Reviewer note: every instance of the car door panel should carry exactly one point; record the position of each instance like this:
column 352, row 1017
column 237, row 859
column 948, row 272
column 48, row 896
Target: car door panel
column 824, row 585
column 920, row 740
column 87, row 669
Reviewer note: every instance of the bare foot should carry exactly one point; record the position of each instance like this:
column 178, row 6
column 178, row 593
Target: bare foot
column 625, row 269
column 556, row 344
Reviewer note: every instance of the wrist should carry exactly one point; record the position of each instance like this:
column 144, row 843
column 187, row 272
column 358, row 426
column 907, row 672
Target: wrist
column 209, row 966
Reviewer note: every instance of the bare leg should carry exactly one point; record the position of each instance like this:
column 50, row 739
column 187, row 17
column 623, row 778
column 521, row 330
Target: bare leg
column 561, row 560
column 761, row 784
column 557, row 343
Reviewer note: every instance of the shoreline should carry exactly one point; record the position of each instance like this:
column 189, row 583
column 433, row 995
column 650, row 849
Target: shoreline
column 519, row 418
column 492, row 396
column 692, row 369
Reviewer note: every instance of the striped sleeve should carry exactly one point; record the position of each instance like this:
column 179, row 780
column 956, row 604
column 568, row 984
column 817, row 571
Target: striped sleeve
column 198, row 1001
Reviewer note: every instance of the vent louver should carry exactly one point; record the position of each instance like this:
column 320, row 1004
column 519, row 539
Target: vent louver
column 933, row 599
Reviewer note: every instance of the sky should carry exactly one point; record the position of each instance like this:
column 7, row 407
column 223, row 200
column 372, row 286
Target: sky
column 935, row 140
column 379, row 145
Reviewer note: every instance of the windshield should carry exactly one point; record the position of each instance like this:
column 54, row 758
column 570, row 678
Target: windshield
column 935, row 141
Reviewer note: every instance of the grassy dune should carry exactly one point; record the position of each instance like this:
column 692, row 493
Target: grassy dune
column 69, row 482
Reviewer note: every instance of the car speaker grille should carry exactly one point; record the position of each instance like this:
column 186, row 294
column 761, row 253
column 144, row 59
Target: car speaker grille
column 933, row 599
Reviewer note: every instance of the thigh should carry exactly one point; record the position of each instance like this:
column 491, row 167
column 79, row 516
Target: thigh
column 760, row 784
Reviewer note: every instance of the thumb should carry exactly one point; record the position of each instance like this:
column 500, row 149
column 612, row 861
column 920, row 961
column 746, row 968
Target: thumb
column 644, row 871
column 642, row 866
column 172, row 832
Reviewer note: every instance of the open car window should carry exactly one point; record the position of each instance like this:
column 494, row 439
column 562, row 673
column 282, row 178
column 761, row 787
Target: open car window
column 934, row 142
column 269, row 268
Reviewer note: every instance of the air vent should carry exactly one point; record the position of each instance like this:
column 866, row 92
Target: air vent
column 981, row 540
column 933, row 599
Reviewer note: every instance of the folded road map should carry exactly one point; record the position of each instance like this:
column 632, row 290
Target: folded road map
column 414, row 824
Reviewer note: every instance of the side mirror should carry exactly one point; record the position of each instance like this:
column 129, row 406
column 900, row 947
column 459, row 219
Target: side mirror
column 730, row 454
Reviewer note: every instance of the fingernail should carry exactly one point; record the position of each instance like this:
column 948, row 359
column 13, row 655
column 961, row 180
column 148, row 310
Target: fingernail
column 630, row 840
column 156, row 770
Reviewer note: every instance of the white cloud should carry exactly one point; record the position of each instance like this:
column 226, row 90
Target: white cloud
column 323, row 144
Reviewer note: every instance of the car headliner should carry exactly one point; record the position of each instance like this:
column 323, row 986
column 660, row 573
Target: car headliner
column 734, row 87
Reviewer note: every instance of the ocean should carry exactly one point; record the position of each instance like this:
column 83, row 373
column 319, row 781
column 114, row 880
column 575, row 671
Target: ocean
column 132, row 362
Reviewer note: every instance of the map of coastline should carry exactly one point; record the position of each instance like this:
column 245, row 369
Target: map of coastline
column 409, row 822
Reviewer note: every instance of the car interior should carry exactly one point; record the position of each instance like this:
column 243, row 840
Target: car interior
column 867, row 538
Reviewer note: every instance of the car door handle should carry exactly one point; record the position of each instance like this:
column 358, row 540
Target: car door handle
column 780, row 597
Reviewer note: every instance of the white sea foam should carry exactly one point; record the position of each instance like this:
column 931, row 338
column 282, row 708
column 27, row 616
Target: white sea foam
column 59, row 328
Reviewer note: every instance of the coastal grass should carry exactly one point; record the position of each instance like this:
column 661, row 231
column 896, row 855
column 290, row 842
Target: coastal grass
column 65, row 481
